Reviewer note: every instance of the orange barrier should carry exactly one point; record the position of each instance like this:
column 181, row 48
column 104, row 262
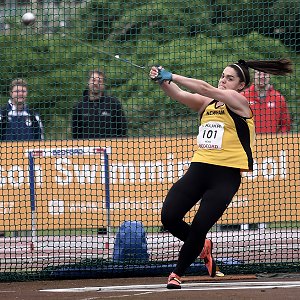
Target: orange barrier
column 70, row 186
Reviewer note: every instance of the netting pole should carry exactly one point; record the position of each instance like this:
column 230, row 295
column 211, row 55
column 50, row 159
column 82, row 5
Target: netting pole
column 107, row 192
column 105, row 152
column 32, row 201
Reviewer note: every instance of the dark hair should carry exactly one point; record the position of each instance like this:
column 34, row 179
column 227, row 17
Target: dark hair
column 282, row 66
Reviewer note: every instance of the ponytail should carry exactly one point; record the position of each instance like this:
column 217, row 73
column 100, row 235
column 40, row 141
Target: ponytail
column 282, row 66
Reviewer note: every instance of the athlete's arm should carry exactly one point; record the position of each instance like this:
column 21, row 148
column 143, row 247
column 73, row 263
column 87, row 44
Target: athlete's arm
column 194, row 101
column 235, row 101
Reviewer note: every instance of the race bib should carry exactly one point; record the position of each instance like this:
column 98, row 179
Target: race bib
column 210, row 135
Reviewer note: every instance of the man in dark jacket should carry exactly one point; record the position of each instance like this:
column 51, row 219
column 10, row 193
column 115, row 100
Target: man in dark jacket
column 17, row 121
column 98, row 115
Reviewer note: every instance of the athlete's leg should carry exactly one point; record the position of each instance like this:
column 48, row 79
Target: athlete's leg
column 183, row 195
column 213, row 204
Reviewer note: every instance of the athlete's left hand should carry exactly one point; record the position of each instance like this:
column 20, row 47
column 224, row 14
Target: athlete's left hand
column 163, row 75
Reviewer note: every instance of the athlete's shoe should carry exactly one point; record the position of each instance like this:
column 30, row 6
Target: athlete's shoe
column 206, row 254
column 174, row 282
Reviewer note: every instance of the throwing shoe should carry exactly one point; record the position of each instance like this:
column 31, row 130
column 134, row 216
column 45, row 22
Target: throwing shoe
column 174, row 282
column 206, row 254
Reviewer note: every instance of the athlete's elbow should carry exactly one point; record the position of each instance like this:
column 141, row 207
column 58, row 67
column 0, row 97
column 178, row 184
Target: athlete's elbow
column 205, row 91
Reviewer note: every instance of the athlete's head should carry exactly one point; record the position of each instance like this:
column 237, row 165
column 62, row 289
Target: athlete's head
column 232, row 79
column 281, row 66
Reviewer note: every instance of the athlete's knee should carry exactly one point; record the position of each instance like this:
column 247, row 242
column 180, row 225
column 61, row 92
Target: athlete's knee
column 166, row 219
column 199, row 232
column 169, row 219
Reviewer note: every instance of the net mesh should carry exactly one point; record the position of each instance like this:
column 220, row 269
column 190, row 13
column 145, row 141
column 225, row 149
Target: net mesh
column 83, row 181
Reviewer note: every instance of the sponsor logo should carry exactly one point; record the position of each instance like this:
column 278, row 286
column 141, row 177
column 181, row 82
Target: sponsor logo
column 216, row 112
column 67, row 151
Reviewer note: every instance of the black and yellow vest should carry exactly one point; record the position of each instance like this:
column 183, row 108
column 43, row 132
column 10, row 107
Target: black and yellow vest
column 225, row 138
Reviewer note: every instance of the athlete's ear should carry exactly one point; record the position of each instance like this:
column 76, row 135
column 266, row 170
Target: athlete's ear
column 241, row 87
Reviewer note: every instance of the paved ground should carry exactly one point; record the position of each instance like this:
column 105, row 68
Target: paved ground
column 20, row 255
column 232, row 287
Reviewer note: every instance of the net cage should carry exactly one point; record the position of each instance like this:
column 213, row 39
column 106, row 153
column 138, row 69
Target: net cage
column 90, row 145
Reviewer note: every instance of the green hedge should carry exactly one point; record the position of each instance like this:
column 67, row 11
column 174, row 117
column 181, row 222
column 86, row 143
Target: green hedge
column 192, row 38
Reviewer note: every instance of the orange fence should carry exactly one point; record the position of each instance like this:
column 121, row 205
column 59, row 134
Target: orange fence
column 70, row 185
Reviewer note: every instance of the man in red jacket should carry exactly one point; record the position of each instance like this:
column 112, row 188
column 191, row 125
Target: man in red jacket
column 269, row 107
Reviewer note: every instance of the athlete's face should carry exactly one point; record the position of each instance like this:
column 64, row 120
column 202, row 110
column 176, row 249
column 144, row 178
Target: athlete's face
column 230, row 80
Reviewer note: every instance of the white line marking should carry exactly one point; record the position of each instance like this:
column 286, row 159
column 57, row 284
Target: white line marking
column 203, row 286
column 124, row 296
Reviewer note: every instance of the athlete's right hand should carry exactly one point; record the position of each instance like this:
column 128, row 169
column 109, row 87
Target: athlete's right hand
column 158, row 73
column 154, row 73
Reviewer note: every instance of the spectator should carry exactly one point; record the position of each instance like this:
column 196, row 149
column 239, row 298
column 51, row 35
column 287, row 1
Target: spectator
column 269, row 107
column 17, row 121
column 98, row 115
